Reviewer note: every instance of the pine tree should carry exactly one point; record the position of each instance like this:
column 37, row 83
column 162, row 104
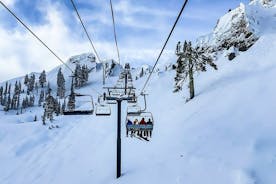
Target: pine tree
column 60, row 84
column 42, row 78
column 36, row 87
column 8, row 104
column 181, row 65
column 189, row 61
column 18, row 101
column 57, row 107
column 44, row 118
column 62, row 107
column 26, row 80
column 71, row 101
column 41, row 98
column 9, row 90
column 31, row 83
column 48, row 88
column 49, row 106
column 31, row 101
column 78, row 76
column 6, row 89
column 20, row 87
column 1, row 94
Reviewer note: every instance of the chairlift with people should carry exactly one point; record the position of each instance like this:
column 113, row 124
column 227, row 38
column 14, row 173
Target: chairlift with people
column 139, row 123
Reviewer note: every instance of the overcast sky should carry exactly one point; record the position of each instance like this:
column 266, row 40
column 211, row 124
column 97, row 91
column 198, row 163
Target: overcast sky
column 142, row 27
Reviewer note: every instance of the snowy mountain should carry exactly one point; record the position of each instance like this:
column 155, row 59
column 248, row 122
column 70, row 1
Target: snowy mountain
column 239, row 29
column 226, row 134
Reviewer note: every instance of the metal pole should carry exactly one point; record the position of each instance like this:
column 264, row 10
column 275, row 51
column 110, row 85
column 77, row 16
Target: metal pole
column 125, row 83
column 103, row 72
column 119, row 101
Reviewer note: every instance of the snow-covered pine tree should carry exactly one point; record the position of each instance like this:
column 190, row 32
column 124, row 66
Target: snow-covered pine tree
column 1, row 94
column 60, row 84
column 81, row 75
column 9, row 90
column 8, row 104
column 57, row 107
column 85, row 74
column 42, row 78
column 49, row 106
column 31, row 83
column 78, row 76
column 48, row 88
column 31, row 101
column 43, row 117
column 191, row 60
column 14, row 101
column 181, row 65
column 6, row 89
column 20, row 87
column 71, row 101
column 41, row 98
column 36, row 88
column 18, row 101
column 26, row 80
column 62, row 107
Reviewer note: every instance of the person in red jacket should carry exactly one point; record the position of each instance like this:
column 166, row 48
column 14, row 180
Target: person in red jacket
column 142, row 122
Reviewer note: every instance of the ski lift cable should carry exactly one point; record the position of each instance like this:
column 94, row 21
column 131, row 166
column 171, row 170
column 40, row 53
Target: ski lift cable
column 157, row 60
column 43, row 43
column 114, row 30
column 85, row 30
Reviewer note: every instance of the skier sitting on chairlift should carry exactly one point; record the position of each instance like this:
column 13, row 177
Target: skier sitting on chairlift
column 149, row 132
column 142, row 122
column 128, row 123
column 141, row 132
column 149, row 122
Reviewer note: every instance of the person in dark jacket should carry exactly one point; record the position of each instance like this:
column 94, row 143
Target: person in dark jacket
column 128, row 123
column 150, row 130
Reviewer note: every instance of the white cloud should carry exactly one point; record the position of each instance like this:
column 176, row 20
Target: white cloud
column 141, row 32
column 9, row 2
column 21, row 53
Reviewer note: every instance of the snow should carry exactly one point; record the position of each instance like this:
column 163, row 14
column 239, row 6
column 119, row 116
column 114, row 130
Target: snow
column 226, row 134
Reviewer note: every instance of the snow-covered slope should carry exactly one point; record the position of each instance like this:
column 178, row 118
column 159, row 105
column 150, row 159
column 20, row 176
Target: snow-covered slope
column 226, row 134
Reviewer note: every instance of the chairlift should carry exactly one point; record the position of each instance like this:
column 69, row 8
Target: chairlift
column 133, row 109
column 83, row 105
column 103, row 110
column 139, row 122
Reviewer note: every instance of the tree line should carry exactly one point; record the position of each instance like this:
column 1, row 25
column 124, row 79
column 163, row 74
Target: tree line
column 19, row 97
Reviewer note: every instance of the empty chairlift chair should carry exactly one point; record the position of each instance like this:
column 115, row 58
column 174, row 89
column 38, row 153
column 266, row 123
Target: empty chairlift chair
column 83, row 105
column 103, row 110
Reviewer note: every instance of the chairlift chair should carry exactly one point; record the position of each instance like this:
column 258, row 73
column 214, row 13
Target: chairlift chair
column 140, row 129
column 133, row 110
column 83, row 105
column 103, row 110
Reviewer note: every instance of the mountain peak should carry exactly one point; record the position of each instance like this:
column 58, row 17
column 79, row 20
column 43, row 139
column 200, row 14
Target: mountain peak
column 240, row 28
column 265, row 3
